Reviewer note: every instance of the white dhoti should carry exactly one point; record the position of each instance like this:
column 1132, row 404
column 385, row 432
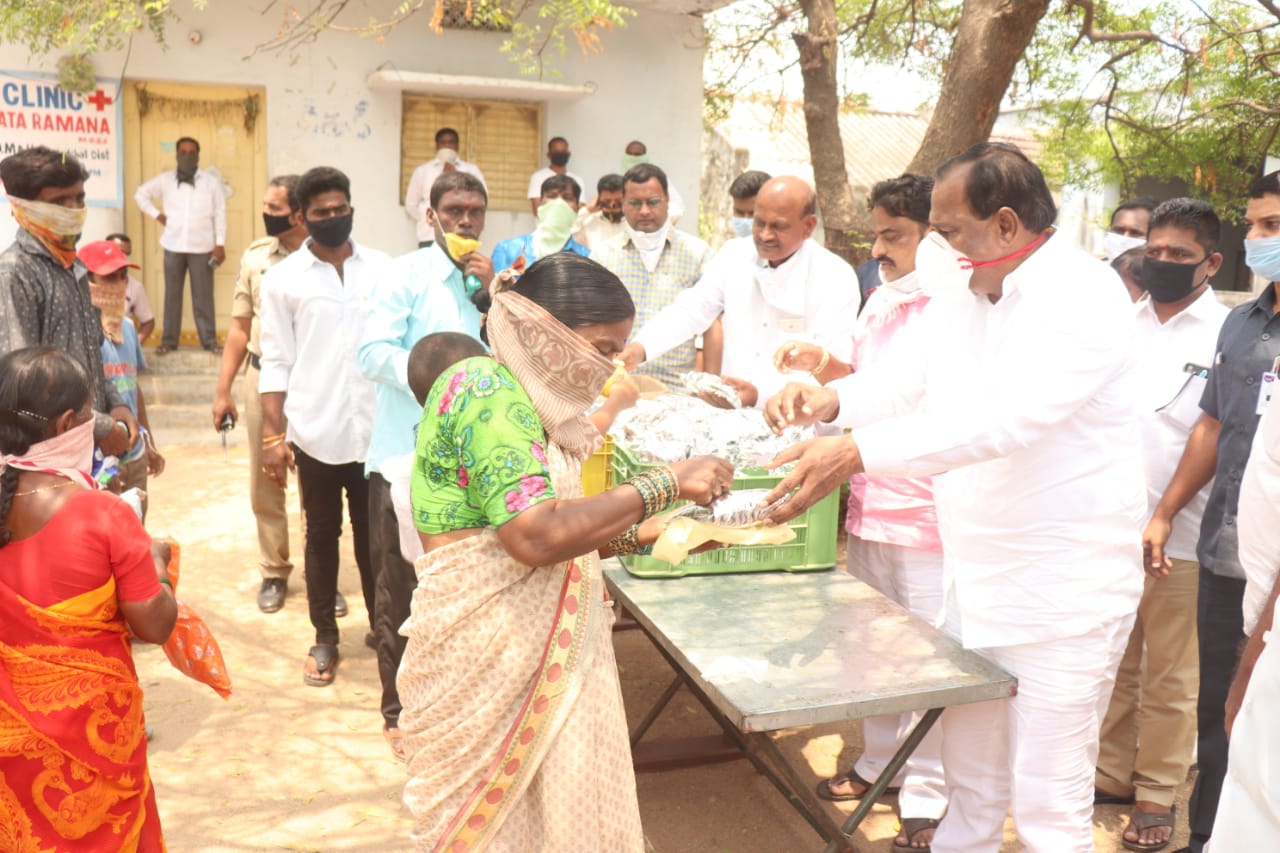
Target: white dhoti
column 1249, row 808
column 1034, row 753
column 913, row 578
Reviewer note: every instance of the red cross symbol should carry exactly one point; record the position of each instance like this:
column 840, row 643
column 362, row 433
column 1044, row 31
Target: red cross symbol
column 100, row 100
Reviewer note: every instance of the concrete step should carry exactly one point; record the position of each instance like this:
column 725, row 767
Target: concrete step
column 176, row 389
column 182, row 360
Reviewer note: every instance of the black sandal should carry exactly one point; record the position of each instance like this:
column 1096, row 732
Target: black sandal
column 824, row 788
column 910, row 827
column 1140, row 820
column 326, row 658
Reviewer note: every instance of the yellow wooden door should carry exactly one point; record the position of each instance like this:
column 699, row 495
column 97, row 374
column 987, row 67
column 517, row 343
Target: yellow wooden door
column 230, row 124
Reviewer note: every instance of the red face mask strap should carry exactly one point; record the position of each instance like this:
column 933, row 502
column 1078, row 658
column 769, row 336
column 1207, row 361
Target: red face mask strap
column 971, row 264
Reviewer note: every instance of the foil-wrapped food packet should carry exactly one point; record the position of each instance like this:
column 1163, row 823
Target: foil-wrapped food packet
column 696, row 383
column 736, row 509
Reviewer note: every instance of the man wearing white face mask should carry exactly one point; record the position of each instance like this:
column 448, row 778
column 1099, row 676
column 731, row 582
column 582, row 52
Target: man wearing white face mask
column 656, row 262
column 1129, row 225
column 742, row 194
column 44, row 294
column 1024, row 397
column 417, row 194
column 557, row 211
column 777, row 286
column 894, row 544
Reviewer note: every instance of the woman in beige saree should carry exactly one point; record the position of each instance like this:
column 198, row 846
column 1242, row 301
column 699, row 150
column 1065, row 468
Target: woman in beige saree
column 513, row 717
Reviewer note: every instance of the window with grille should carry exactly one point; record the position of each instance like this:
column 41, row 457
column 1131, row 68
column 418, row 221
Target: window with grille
column 500, row 137
column 464, row 15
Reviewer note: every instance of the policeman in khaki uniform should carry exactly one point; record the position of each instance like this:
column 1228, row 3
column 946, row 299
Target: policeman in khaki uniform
column 286, row 232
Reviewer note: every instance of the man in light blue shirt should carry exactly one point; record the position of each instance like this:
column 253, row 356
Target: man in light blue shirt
column 557, row 213
column 425, row 292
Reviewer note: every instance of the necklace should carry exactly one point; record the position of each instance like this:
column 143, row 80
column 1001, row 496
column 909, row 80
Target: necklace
column 45, row 488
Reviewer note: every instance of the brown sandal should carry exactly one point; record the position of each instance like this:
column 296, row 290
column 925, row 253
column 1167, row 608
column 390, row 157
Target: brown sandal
column 395, row 740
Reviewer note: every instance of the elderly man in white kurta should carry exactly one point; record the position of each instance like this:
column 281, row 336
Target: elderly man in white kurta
column 1024, row 399
column 776, row 286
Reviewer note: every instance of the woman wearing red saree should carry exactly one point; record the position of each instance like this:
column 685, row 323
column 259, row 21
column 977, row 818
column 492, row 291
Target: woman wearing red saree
column 513, row 717
column 76, row 575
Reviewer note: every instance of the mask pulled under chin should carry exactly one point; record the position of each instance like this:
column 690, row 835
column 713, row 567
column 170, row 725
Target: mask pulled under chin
column 332, row 232
column 69, row 454
column 905, row 284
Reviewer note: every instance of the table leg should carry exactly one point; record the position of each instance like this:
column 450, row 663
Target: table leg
column 886, row 776
column 657, row 709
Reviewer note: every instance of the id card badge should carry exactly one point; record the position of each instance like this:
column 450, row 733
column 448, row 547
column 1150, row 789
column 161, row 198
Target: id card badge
column 791, row 325
column 1267, row 387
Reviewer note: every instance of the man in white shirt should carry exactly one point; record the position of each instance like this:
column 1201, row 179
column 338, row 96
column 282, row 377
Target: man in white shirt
column 193, row 212
column 1025, row 398
column 600, row 222
column 776, row 286
column 1150, row 727
column 314, row 304
column 417, row 196
column 136, row 304
column 558, row 154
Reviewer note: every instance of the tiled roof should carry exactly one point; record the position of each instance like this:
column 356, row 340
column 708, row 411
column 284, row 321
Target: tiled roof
column 877, row 145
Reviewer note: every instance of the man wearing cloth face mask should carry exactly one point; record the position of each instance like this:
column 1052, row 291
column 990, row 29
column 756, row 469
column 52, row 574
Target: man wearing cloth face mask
column 423, row 292
column 44, row 297
column 1149, row 729
column 557, row 211
column 601, row 221
column 417, row 194
column 195, row 230
column 656, row 263
column 285, row 229
column 314, row 304
column 1025, row 398
column 1129, row 225
column 742, row 193
column 558, row 154
column 778, row 285
column 1240, row 377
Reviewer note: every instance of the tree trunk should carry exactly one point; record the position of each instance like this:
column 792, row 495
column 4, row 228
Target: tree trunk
column 818, row 51
column 990, row 40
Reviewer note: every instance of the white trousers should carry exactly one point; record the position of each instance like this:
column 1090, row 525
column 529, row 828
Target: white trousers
column 1249, row 808
column 1034, row 753
column 913, row 578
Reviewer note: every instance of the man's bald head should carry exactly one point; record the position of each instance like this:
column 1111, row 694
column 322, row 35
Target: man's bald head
column 786, row 215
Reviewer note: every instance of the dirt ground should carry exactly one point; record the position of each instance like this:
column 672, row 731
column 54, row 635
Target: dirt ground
column 284, row 766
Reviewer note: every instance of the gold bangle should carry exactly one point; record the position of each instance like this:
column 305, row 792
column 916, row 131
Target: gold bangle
column 822, row 365
column 267, row 438
column 275, row 442
column 626, row 542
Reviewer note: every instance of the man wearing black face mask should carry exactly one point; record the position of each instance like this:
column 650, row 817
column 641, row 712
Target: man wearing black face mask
column 1149, row 728
column 558, row 155
column 314, row 305
column 1217, row 451
column 285, row 233
column 194, row 218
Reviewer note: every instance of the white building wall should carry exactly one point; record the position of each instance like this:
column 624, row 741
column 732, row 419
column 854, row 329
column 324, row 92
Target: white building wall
column 647, row 79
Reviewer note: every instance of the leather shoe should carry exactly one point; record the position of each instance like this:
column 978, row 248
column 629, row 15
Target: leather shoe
column 339, row 605
column 271, row 596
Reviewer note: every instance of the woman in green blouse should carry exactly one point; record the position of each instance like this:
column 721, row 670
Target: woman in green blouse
column 513, row 717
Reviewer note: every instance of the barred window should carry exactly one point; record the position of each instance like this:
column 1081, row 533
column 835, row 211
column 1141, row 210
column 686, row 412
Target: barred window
column 500, row 137
column 464, row 15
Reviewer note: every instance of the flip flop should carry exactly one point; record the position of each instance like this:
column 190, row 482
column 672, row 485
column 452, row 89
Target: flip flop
column 911, row 826
column 824, row 788
column 1141, row 820
column 326, row 658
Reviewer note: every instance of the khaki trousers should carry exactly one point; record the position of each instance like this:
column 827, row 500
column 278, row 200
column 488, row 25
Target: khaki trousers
column 1150, row 727
column 266, row 498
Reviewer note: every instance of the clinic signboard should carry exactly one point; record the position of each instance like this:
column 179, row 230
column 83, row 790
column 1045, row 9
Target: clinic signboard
column 35, row 110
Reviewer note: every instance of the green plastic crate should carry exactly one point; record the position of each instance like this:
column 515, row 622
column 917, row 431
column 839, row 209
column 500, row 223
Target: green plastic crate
column 813, row 549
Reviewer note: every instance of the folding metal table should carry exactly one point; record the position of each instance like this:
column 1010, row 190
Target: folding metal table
column 771, row 651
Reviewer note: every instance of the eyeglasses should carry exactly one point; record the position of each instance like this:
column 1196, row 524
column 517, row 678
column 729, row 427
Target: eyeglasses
column 639, row 203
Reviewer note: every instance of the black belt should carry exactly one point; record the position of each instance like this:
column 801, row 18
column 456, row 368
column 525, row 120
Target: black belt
column 255, row 362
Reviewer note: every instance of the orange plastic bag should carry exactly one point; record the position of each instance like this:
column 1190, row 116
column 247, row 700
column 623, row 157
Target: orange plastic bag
column 191, row 647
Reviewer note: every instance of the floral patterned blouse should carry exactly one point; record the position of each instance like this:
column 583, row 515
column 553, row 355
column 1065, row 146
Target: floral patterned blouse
column 480, row 458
